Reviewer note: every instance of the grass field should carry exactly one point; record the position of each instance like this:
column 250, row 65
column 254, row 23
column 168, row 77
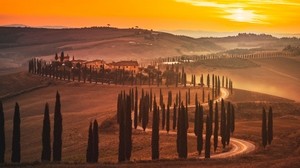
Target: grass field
column 82, row 103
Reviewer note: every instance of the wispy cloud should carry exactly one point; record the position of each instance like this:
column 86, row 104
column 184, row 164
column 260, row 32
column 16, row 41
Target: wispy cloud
column 241, row 10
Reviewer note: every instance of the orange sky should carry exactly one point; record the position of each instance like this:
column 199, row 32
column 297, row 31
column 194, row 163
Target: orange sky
column 281, row 16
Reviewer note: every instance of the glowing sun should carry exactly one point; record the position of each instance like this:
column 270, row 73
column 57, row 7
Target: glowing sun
column 241, row 15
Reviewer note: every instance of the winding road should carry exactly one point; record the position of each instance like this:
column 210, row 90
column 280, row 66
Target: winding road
column 239, row 146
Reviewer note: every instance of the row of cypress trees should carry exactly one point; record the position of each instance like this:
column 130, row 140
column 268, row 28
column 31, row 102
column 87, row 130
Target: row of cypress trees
column 46, row 142
column 180, row 121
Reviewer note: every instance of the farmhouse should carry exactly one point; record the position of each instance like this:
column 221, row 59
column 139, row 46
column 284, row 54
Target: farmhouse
column 132, row 66
column 96, row 64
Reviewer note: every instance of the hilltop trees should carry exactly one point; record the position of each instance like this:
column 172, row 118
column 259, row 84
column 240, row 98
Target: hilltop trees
column 2, row 134
column 16, row 146
column 46, row 142
column 57, row 132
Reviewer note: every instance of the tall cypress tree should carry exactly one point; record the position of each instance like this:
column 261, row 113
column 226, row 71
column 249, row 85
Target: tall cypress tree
column 136, row 108
column 57, row 132
column 128, row 127
column 228, row 123
column 89, row 151
column 95, row 142
column 155, row 132
column 264, row 128
column 216, row 128
column 163, row 122
column 223, row 124
column 46, row 151
column 122, row 132
column 207, row 137
column 168, row 119
column 270, row 126
column 2, row 134
column 232, row 119
column 182, row 133
column 174, row 117
column 16, row 146
column 200, row 129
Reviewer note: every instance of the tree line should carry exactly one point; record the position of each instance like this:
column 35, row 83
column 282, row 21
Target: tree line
column 170, row 76
column 46, row 131
column 161, row 119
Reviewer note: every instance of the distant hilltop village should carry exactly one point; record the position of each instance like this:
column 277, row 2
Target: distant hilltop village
column 132, row 66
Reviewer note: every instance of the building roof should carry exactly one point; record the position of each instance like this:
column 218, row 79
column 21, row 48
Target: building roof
column 79, row 60
column 125, row 63
column 93, row 61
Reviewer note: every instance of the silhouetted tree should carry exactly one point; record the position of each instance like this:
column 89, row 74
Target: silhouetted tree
column 207, row 137
column 163, row 122
column 16, row 146
column 174, row 116
column 232, row 119
column 2, row 134
column 228, row 123
column 57, row 132
column 264, row 133
column 223, row 124
column 95, row 142
column 46, row 150
column 208, row 81
column 216, row 128
column 270, row 126
column 136, row 108
column 155, row 132
column 89, row 151
column 168, row 119
column 182, row 133
column 200, row 129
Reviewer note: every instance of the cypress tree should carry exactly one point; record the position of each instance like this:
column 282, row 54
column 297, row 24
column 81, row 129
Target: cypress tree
column 89, row 151
column 232, row 119
column 168, row 119
column 211, row 115
column 174, row 117
column 122, row 140
column 2, row 134
column 136, row 108
column 163, row 122
column 46, row 151
column 223, row 124
column 216, row 128
column 129, row 129
column 155, row 132
column 203, row 95
column 57, row 132
column 200, row 129
column 196, row 120
column 182, row 133
column 208, row 81
column 95, row 142
column 16, row 146
column 207, row 137
column 228, row 123
column 264, row 128
column 270, row 126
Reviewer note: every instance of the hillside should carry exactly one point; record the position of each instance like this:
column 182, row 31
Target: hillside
column 19, row 44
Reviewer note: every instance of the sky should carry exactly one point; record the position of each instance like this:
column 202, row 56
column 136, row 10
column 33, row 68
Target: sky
column 268, row 16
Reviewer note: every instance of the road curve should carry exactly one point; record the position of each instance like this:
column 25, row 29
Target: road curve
column 239, row 146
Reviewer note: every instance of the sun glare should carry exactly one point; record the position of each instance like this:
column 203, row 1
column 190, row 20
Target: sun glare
column 241, row 15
